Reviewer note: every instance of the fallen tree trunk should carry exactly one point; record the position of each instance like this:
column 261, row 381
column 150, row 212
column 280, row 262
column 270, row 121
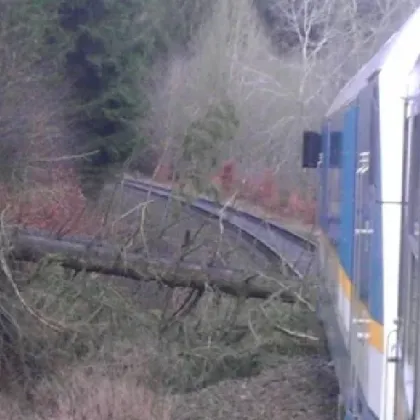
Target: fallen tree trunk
column 108, row 260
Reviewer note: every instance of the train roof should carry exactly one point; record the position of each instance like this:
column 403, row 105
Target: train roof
column 378, row 62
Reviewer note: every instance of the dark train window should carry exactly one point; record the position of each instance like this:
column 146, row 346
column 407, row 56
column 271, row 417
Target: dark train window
column 312, row 147
column 335, row 149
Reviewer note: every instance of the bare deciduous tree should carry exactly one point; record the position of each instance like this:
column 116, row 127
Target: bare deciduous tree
column 277, row 86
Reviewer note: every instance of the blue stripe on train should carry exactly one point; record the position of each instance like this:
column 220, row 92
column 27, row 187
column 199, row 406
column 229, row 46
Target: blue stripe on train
column 347, row 189
column 341, row 230
column 376, row 295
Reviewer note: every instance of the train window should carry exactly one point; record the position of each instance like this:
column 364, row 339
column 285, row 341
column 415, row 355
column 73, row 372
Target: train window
column 335, row 192
column 335, row 149
column 414, row 182
column 334, row 178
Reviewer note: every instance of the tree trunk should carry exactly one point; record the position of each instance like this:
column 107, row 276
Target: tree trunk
column 109, row 260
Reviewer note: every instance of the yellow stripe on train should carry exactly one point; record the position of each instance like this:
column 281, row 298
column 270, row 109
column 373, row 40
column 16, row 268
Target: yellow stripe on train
column 375, row 328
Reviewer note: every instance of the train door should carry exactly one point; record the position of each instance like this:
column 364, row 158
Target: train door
column 362, row 254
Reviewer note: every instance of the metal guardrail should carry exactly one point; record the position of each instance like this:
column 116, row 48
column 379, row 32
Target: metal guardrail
column 293, row 249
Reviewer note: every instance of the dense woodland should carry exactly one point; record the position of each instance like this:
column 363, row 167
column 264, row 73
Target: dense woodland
column 113, row 78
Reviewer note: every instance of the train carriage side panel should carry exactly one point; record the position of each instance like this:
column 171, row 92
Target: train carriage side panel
column 367, row 245
column 393, row 81
column 349, row 123
column 376, row 293
column 376, row 283
column 327, row 306
column 375, row 298
column 357, row 122
column 336, row 206
column 336, row 220
column 347, row 192
column 392, row 92
column 408, row 367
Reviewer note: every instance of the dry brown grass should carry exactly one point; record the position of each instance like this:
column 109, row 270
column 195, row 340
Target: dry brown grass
column 89, row 393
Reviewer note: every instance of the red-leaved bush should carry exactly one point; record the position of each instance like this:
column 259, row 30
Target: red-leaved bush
column 227, row 176
column 266, row 192
column 262, row 190
column 54, row 203
column 163, row 172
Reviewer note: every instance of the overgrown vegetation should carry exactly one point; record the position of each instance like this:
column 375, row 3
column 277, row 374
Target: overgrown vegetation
column 67, row 329
column 201, row 148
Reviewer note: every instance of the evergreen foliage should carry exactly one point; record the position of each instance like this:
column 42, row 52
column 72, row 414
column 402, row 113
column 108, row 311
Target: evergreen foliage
column 202, row 144
column 22, row 49
column 105, row 50
column 106, row 61
column 111, row 46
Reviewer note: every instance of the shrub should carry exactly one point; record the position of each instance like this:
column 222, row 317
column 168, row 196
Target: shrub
column 56, row 204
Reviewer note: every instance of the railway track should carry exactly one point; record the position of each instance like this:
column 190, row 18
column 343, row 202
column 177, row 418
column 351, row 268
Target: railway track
column 271, row 238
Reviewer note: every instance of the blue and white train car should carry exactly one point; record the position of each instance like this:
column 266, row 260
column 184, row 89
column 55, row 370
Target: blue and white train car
column 368, row 159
